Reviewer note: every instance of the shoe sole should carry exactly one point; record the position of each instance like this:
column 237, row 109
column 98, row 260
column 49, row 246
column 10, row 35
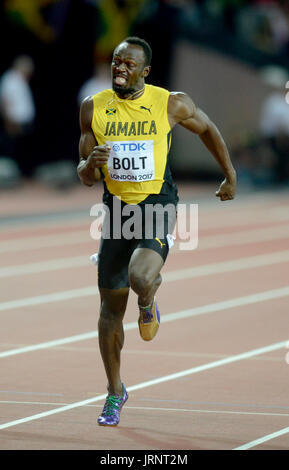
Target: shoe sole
column 108, row 425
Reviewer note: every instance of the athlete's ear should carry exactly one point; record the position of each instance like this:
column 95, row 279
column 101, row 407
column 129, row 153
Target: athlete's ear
column 146, row 71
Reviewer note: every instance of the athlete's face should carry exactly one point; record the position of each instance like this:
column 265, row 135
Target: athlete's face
column 128, row 69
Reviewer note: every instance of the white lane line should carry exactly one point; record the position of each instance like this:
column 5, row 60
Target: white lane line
column 44, row 266
column 46, row 241
column 263, row 439
column 203, row 270
column 182, row 314
column 228, row 266
column 205, row 242
column 23, row 226
column 83, row 218
column 150, row 408
column 47, row 298
column 194, row 370
column 187, row 273
column 244, row 237
column 237, row 211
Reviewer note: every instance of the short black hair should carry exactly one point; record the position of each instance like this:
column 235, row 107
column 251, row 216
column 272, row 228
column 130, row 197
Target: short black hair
column 145, row 46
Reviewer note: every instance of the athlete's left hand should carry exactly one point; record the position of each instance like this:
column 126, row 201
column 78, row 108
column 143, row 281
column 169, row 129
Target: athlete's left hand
column 227, row 189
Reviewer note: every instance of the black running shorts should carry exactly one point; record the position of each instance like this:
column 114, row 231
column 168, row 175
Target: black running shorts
column 126, row 228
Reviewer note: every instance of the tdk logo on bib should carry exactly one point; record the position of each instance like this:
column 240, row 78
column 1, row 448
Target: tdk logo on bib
column 131, row 147
column 131, row 160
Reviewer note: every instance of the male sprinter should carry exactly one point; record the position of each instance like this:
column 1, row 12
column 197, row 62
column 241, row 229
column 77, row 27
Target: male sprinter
column 125, row 139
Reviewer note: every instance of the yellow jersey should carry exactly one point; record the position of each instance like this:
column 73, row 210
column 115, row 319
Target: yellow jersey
column 139, row 134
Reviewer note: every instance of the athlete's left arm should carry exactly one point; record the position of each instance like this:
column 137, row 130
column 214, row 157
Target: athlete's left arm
column 183, row 111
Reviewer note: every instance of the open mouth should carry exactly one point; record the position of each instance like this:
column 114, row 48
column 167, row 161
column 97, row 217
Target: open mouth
column 120, row 80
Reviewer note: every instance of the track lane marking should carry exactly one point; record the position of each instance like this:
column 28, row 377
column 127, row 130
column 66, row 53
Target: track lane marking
column 48, row 298
column 263, row 439
column 265, row 212
column 182, row 314
column 169, row 276
column 150, row 408
column 46, row 241
column 241, row 237
column 190, row 272
column 211, row 365
column 212, row 268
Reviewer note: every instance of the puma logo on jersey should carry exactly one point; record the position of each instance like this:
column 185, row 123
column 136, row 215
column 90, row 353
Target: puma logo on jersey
column 147, row 109
column 162, row 244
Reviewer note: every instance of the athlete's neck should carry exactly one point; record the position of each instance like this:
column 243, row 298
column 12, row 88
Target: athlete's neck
column 132, row 95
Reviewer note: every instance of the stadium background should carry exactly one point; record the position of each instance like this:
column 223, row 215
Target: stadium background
column 214, row 50
column 216, row 377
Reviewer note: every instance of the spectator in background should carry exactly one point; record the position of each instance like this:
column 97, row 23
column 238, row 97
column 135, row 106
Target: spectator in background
column 99, row 82
column 265, row 25
column 274, row 119
column 281, row 32
column 262, row 158
column 116, row 19
column 277, row 16
column 17, row 110
column 159, row 24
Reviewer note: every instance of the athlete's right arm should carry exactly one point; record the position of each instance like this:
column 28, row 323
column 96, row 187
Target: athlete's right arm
column 91, row 155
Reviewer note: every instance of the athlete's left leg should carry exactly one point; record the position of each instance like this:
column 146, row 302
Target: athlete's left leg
column 145, row 279
column 144, row 274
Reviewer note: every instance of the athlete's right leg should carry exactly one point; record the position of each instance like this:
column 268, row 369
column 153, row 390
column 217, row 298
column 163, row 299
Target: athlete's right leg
column 111, row 334
column 113, row 286
column 111, row 339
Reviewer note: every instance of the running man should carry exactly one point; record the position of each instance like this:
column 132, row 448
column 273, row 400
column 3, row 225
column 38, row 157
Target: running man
column 125, row 140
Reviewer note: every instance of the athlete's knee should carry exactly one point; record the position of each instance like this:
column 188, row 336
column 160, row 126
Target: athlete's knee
column 111, row 312
column 141, row 281
column 158, row 281
column 113, row 306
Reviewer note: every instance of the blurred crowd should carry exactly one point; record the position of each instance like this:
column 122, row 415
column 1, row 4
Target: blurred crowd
column 59, row 51
column 261, row 24
column 262, row 159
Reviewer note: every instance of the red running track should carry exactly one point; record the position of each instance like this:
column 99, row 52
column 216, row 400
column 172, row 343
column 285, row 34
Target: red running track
column 216, row 375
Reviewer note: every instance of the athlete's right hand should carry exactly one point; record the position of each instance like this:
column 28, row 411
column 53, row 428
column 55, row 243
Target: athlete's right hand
column 98, row 156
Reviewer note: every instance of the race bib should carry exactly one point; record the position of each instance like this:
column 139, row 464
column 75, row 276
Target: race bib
column 131, row 161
